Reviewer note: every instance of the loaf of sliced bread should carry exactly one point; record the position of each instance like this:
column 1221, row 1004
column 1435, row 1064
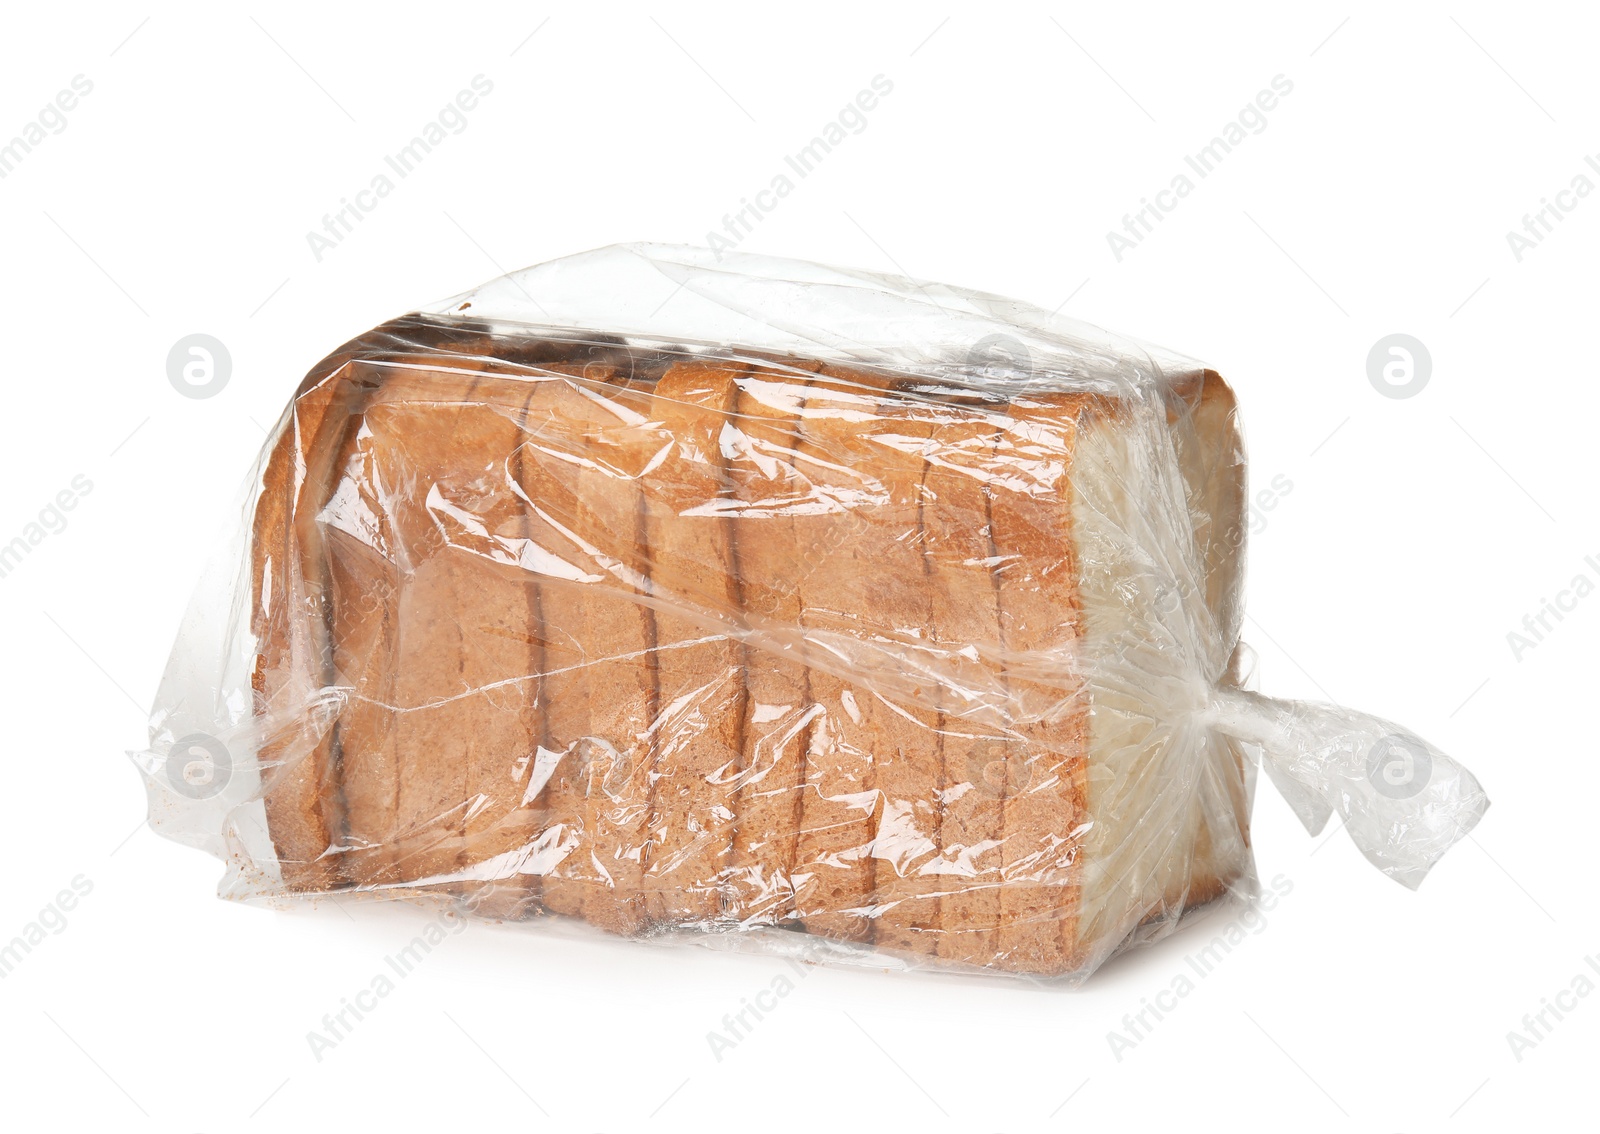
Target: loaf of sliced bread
column 676, row 638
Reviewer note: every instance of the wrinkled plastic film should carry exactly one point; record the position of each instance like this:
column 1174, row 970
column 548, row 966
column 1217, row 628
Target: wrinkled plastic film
column 762, row 604
column 1403, row 801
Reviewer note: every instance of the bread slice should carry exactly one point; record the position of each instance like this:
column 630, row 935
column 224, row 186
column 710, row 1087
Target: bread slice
column 559, row 417
column 1204, row 425
column 977, row 747
column 597, row 635
column 701, row 696
column 290, row 621
column 1039, row 568
column 366, row 575
column 504, row 667
column 621, row 666
column 770, row 489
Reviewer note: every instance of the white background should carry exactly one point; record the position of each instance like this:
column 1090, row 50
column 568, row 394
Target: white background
column 1418, row 533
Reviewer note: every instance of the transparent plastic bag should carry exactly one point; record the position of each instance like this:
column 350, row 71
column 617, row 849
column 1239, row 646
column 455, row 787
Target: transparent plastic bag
column 762, row 604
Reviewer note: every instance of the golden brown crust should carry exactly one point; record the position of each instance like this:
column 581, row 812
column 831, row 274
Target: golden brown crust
column 964, row 615
column 599, row 638
column 1042, row 629
column 768, row 486
column 554, row 705
column 699, row 665
column 289, row 620
column 860, row 451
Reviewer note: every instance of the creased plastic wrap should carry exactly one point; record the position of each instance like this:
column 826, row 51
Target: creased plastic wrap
column 762, row 604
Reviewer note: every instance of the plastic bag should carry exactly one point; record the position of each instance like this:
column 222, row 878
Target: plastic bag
column 762, row 604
